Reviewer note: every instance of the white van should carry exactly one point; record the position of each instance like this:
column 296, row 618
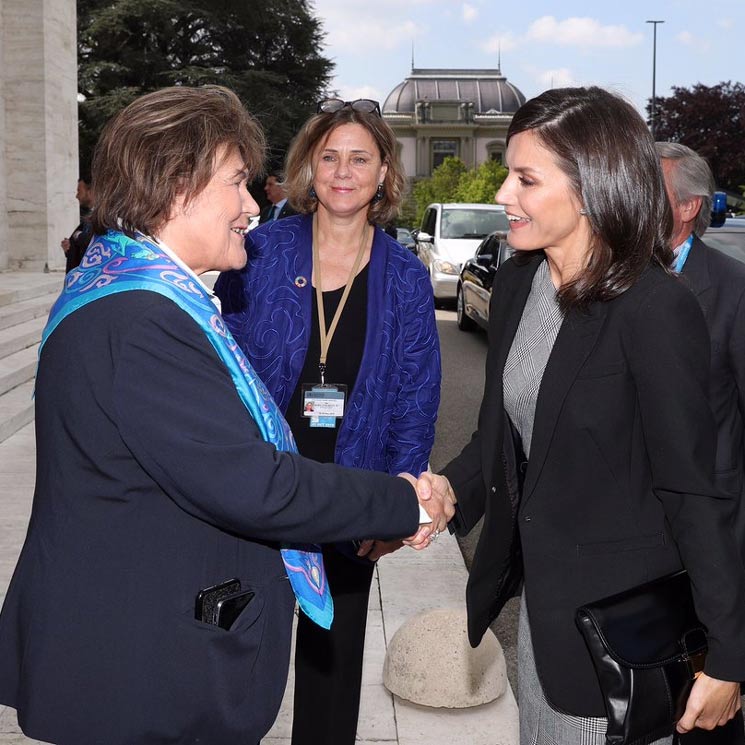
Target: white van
column 449, row 235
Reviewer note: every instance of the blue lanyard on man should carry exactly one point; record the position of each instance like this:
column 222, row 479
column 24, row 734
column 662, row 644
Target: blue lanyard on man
column 681, row 254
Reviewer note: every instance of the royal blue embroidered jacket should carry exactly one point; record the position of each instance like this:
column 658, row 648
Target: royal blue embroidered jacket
column 390, row 419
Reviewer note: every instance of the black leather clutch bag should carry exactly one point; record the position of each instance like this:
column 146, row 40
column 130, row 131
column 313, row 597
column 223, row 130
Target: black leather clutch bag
column 646, row 644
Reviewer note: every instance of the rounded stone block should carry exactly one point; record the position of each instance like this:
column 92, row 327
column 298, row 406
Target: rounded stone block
column 430, row 662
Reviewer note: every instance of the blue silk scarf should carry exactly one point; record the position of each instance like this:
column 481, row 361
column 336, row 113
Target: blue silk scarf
column 116, row 263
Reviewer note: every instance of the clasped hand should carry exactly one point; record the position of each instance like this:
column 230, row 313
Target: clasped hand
column 712, row 703
column 436, row 496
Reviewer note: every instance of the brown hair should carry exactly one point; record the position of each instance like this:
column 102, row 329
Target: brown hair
column 166, row 144
column 299, row 165
column 604, row 147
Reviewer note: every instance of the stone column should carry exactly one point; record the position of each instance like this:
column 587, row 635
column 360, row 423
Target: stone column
column 3, row 181
column 39, row 77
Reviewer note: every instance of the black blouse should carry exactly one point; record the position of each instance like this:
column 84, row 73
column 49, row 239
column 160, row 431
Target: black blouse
column 342, row 365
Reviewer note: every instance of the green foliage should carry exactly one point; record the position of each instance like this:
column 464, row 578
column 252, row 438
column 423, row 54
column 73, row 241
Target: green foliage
column 268, row 53
column 451, row 181
column 711, row 121
column 441, row 186
column 481, row 184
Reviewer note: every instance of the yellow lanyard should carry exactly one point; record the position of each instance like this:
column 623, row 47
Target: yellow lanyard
column 326, row 336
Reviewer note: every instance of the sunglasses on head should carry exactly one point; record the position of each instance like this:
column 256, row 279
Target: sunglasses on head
column 363, row 105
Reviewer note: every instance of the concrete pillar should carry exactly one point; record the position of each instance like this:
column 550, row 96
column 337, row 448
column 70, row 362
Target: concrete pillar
column 3, row 181
column 39, row 77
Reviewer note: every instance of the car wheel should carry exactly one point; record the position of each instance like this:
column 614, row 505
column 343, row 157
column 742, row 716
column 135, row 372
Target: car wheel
column 464, row 322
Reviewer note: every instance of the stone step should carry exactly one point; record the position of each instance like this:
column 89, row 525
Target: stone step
column 19, row 286
column 15, row 338
column 16, row 409
column 17, row 368
column 25, row 310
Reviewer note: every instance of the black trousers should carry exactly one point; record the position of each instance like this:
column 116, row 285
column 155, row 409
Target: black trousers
column 328, row 664
column 732, row 733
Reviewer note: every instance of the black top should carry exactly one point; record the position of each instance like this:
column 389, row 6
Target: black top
column 342, row 365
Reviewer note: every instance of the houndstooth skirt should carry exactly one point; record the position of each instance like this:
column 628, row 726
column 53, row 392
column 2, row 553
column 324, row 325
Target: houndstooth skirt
column 539, row 723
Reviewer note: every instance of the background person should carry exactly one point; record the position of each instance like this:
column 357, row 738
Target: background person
column 718, row 281
column 278, row 206
column 598, row 371
column 344, row 175
column 163, row 465
column 74, row 246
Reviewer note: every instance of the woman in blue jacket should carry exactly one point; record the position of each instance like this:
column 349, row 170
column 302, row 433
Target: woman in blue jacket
column 338, row 320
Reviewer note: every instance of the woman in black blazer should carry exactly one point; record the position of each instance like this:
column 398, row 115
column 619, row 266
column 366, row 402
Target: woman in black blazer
column 598, row 370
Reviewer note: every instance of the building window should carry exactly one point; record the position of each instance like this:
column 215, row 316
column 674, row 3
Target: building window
column 495, row 151
column 442, row 149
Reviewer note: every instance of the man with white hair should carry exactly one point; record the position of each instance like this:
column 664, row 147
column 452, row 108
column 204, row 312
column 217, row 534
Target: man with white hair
column 718, row 281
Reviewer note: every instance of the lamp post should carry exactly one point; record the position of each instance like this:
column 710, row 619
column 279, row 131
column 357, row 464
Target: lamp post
column 654, row 75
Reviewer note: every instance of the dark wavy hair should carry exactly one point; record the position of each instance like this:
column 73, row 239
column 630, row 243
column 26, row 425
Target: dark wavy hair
column 604, row 147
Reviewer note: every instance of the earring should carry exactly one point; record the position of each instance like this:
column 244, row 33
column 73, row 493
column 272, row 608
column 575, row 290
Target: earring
column 583, row 212
column 312, row 193
column 379, row 194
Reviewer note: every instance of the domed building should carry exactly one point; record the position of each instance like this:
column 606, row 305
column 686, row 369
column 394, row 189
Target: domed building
column 441, row 113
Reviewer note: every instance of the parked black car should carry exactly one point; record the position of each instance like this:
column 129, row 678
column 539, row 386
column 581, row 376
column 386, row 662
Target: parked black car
column 406, row 239
column 475, row 281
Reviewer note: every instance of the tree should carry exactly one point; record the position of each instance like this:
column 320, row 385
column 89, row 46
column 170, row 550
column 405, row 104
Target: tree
column 451, row 181
column 481, row 184
column 268, row 53
column 711, row 121
column 441, row 186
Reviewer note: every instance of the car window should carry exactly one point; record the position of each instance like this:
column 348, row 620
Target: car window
column 487, row 247
column 429, row 221
column 732, row 244
column 465, row 223
column 505, row 251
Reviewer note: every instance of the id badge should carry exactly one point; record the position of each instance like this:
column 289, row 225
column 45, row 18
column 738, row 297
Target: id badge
column 324, row 404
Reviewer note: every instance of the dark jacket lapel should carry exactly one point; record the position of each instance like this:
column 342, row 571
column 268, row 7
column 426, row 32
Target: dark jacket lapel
column 696, row 272
column 575, row 341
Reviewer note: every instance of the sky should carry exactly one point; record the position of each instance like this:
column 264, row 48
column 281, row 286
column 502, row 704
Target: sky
column 543, row 44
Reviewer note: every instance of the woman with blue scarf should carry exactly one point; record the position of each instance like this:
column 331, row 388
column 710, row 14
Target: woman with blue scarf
column 151, row 601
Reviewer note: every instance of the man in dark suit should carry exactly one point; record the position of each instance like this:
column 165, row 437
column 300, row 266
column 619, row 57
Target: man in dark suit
column 74, row 246
column 718, row 281
column 278, row 206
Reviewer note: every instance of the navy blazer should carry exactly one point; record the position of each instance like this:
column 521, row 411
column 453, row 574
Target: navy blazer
column 718, row 281
column 287, row 211
column 153, row 482
column 619, row 488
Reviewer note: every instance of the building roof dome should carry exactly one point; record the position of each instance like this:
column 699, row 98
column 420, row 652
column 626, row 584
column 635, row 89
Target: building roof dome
column 488, row 90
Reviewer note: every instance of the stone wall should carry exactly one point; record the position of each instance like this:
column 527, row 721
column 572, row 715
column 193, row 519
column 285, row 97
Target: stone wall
column 39, row 86
column 3, row 181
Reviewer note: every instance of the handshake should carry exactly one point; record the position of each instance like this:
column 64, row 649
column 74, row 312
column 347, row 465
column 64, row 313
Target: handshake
column 437, row 499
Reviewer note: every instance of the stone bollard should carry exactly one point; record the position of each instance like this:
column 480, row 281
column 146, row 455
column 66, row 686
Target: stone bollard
column 430, row 662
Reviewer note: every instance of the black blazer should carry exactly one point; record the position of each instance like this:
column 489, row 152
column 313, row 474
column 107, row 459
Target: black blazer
column 718, row 281
column 152, row 483
column 286, row 211
column 619, row 488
